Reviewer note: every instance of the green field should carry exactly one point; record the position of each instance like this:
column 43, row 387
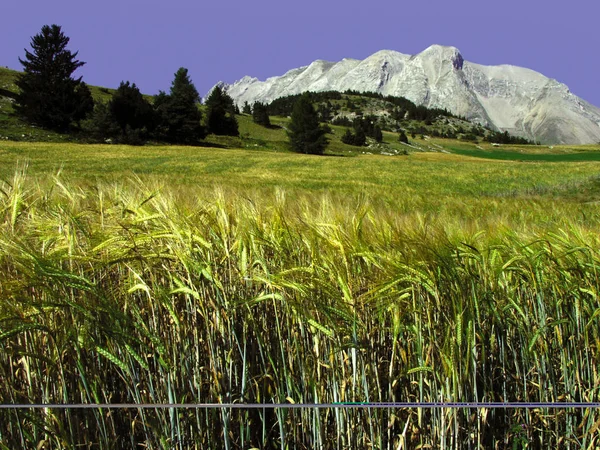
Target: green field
column 252, row 274
column 520, row 155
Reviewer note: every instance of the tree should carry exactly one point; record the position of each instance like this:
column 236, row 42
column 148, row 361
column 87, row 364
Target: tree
column 402, row 137
column 377, row 134
column 260, row 114
column 324, row 111
column 101, row 126
column 132, row 113
column 49, row 96
column 178, row 113
column 246, row 108
column 360, row 138
column 348, row 137
column 221, row 113
column 305, row 134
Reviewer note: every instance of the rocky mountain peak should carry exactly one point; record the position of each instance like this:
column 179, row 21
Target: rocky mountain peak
column 506, row 98
column 444, row 53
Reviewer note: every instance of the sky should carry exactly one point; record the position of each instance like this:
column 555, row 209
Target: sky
column 145, row 42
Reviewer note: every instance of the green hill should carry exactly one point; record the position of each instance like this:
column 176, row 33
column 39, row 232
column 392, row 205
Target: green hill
column 427, row 130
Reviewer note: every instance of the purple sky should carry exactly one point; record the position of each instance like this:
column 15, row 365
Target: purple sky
column 147, row 41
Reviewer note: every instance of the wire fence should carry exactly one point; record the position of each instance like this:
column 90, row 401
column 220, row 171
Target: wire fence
column 340, row 405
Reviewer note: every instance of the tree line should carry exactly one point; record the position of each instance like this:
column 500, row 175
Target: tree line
column 49, row 96
column 401, row 108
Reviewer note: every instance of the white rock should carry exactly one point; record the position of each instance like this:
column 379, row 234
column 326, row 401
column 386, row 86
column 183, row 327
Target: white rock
column 507, row 98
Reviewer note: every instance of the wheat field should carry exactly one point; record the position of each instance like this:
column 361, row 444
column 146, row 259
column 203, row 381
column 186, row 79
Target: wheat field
column 428, row 278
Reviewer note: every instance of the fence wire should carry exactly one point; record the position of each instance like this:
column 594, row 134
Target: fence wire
column 340, row 405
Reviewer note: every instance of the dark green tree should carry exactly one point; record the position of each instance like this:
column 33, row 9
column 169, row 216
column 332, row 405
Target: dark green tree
column 260, row 114
column 360, row 138
column 177, row 113
column 304, row 131
column 377, row 133
column 348, row 137
column 246, row 108
column 101, row 126
column 220, row 115
column 49, row 95
column 402, row 137
column 324, row 111
column 133, row 114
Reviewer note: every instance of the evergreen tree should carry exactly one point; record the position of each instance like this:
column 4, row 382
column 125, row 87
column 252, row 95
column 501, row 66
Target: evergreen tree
column 360, row 138
column 305, row 134
column 221, row 113
column 260, row 114
column 132, row 113
column 348, row 137
column 246, row 108
column 377, row 134
column 402, row 137
column 49, row 96
column 101, row 126
column 324, row 111
column 178, row 113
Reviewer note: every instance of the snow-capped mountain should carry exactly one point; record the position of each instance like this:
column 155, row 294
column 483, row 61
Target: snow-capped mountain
column 507, row 98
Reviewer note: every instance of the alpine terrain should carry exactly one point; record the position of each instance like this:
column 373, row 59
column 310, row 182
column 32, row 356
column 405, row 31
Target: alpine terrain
column 505, row 98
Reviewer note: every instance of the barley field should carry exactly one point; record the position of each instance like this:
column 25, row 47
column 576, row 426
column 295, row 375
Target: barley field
column 184, row 275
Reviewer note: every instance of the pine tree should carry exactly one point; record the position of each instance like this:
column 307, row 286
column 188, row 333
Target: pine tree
column 132, row 113
column 246, row 108
column 100, row 126
column 377, row 133
column 260, row 114
column 49, row 96
column 360, row 138
column 325, row 112
column 305, row 134
column 348, row 137
column 402, row 137
column 178, row 112
column 221, row 113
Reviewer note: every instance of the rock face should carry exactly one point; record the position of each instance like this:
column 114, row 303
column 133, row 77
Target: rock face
column 506, row 98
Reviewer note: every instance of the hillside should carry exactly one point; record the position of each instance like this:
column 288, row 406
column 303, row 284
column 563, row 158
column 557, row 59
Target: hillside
column 504, row 98
column 13, row 128
column 394, row 114
column 427, row 130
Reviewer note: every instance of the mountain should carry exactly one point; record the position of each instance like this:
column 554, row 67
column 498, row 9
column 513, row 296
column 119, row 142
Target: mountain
column 505, row 98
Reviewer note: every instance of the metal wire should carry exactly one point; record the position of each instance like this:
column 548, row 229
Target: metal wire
column 340, row 405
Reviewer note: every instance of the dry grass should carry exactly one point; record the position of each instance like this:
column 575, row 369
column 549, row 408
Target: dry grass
column 141, row 291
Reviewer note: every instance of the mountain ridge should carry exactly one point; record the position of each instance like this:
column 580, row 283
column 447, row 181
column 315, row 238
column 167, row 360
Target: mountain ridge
column 503, row 97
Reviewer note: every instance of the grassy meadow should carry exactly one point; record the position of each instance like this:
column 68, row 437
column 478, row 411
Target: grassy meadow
column 251, row 274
